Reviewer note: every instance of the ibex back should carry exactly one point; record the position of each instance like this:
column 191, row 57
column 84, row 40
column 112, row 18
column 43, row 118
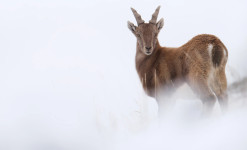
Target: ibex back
column 200, row 63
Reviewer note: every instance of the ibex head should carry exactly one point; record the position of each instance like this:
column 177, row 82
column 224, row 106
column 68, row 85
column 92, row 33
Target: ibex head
column 146, row 33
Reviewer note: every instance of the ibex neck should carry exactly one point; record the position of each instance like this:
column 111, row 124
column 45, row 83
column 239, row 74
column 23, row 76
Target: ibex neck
column 157, row 46
column 143, row 60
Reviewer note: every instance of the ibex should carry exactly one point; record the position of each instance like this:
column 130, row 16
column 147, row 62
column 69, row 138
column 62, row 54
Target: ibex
column 200, row 63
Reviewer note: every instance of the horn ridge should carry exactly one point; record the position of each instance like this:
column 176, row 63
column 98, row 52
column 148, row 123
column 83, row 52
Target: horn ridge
column 137, row 16
column 155, row 15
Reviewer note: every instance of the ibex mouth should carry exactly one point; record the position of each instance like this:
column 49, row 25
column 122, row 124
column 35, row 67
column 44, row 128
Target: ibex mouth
column 148, row 53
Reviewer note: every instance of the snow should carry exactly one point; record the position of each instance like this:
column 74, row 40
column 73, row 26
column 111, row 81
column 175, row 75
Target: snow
column 68, row 78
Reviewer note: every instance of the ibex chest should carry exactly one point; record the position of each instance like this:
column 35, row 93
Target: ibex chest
column 159, row 75
column 149, row 81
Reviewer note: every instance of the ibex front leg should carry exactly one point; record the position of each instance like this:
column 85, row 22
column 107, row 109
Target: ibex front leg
column 164, row 101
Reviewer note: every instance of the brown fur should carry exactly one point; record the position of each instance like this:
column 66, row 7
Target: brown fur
column 200, row 63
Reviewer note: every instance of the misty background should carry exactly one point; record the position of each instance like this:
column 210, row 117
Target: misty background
column 68, row 78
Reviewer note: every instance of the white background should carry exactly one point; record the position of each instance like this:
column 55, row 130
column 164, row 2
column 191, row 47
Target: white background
column 68, row 78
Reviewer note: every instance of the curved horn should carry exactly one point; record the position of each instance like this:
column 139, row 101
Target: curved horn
column 137, row 16
column 155, row 15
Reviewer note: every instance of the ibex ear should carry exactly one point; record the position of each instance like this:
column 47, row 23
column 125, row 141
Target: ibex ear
column 131, row 26
column 160, row 24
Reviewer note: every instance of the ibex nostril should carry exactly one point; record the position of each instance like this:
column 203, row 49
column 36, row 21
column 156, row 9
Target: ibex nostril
column 148, row 48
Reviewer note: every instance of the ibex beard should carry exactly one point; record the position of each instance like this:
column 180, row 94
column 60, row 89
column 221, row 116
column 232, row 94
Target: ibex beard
column 200, row 63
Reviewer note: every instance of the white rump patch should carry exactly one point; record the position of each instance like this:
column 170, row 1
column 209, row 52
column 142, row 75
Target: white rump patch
column 224, row 52
column 210, row 48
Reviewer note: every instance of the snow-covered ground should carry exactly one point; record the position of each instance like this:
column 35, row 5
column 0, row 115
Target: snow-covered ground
column 68, row 79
